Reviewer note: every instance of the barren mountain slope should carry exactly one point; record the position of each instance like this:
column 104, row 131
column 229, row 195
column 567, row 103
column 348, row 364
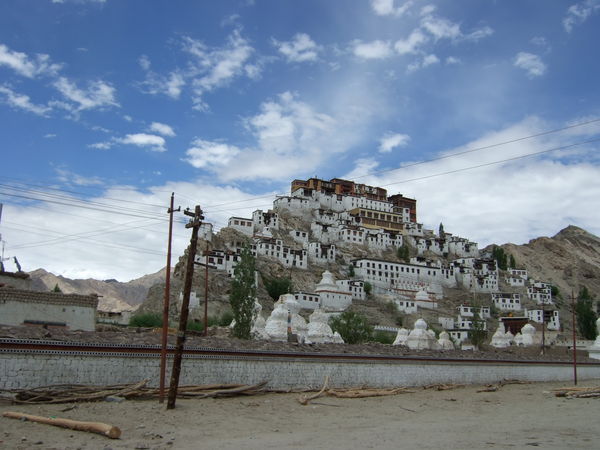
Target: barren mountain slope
column 114, row 295
column 568, row 260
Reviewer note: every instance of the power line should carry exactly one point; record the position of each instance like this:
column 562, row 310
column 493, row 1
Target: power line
column 527, row 155
column 498, row 144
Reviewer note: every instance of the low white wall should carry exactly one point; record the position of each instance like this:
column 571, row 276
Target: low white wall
column 20, row 369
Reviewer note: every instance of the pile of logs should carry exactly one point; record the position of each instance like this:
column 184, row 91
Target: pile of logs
column 69, row 393
column 577, row 392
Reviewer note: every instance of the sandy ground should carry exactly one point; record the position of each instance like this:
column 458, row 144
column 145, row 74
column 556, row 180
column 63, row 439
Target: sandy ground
column 516, row 416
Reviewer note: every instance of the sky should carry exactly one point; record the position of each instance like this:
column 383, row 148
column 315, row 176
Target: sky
column 486, row 112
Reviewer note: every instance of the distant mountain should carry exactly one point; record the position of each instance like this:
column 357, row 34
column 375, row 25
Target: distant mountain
column 114, row 295
column 568, row 260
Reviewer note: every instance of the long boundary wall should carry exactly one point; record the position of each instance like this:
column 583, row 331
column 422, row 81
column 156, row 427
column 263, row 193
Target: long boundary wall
column 26, row 368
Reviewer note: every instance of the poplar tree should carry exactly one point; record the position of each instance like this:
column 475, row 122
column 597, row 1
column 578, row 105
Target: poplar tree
column 243, row 294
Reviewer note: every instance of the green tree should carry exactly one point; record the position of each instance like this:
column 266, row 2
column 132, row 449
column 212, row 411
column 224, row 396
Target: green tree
column 243, row 293
column 352, row 326
column 368, row 288
column 278, row 286
column 586, row 316
column 351, row 273
column 477, row 333
column 512, row 263
column 441, row 230
column 403, row 253
column 56, row 288
column 500, row 256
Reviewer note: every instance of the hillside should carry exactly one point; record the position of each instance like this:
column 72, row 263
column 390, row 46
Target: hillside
column 569, row 260
column 114, row 295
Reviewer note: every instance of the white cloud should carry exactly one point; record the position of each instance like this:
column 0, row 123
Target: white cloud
column 479, row 34
column 300, row 49
column 391, row 141
column 98, row 94
column 411, row 44
column 71, row 178
column 290, row 136
column 579, row 13
column 539, row 194
column 372, row 50
column 452, row 60
column 216, row 67
column 144, row 62
column 26, row 66
column 426, row 61
column 210, row 154
column 388, row 8
column 150, row 141
column 162, row 128
column 101, row 145
column 49, row 135
column 441, row 28
column 116, row 246
column 530, row 63
column 22, row 101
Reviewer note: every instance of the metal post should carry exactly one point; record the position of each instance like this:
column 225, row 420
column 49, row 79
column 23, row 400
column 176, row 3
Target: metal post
column 187, row 288
column 165, row 326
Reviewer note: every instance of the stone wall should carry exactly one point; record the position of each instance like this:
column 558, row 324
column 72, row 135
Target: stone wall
column 26, row 369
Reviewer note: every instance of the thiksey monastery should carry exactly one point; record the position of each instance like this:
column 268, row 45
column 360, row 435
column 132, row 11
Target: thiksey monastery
column 341, row 219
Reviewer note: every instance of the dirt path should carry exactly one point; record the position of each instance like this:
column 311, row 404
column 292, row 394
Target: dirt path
column 516, row 416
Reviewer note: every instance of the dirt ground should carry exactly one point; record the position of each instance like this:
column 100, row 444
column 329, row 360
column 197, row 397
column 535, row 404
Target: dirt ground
column 515, row 416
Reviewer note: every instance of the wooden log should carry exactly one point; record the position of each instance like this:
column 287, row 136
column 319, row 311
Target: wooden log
column 304, row 399
column 93, row 427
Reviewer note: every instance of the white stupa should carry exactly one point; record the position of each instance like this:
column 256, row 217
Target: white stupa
column 277, row 324
column 500, row 339
column 419, row 338
column 331, row 296
column 528, row 335
column 319, row 330
column 422, row 296
column 444, row 342
column 401, row 337
column 258, row 323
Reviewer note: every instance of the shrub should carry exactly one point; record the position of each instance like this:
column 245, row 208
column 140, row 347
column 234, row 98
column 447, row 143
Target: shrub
column 149, row 320
column 225, row 319
column 368, row 288
column 383, row 337
column 278, row 286
column 353, row 327
column 195, row 326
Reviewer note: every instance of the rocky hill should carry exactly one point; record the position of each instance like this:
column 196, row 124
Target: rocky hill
column 569, row 260
column 114, row 295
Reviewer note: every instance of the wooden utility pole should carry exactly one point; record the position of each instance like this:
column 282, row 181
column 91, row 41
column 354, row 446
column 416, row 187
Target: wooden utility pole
column 206, row 291
column 165, row 326
column 543, row 326
column 574, row 340
column 194, row 224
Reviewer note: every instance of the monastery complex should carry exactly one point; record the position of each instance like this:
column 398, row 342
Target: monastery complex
column 343, row 223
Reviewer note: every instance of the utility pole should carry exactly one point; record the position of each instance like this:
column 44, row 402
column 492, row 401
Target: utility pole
column 543, row 326
column 206, row 291
column 194, row 224
column 574, row 340
column 165, row 326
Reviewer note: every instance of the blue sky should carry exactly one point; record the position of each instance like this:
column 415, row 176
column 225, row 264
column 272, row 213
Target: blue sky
column 113, row 105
